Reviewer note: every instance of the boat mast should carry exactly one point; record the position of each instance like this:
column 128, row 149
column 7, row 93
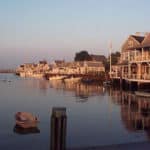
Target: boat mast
column 110, row 50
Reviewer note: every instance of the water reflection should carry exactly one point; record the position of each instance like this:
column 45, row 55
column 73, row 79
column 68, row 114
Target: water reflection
column 88, row 123
column 81, row 91
column 135, row 110
column 40, row 84
column 17, row 129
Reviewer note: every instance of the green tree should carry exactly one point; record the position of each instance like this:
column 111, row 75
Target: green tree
column 82, row 56
column 114, row 58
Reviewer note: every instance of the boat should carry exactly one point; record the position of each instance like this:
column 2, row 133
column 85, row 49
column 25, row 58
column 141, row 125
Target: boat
column 142, row 93
column 72, row 79
column 38, row 75
column 107, row 83
column 56, row 77
column 22, row 74
column 19, row 130
column 26, row 120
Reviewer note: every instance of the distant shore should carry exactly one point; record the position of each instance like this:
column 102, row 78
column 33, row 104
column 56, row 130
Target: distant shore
column 7, row 71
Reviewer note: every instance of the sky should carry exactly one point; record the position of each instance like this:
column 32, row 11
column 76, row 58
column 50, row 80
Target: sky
column 32, row 30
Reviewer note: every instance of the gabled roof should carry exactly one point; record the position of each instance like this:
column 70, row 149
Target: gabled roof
column 136, row 41
column 94, row 64
column 98, row 57
column 138, row 38
column 131, row 43
column 146, row 41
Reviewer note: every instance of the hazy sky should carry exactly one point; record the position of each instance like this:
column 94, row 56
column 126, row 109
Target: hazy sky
column 55, row 29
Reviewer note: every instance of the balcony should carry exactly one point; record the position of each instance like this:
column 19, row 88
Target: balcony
column 139, row 77
column 136, row 77
column 140, row 57
column 136, row 56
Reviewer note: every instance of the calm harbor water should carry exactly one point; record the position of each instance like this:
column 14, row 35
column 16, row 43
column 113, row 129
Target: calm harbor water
column 95, row 116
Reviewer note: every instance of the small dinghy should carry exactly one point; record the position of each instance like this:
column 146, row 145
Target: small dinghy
column 26, row 120
column 20, row 130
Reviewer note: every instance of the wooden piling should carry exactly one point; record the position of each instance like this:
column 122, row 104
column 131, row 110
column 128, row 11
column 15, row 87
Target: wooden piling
column 58, row 128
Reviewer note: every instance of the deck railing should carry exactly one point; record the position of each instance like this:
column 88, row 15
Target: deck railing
column 133, row 76
column 140, row 58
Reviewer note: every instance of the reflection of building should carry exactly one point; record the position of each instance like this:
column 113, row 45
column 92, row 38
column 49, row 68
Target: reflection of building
column 135, row 111
column 81, row 90
column 58, row 129
column 40, row 84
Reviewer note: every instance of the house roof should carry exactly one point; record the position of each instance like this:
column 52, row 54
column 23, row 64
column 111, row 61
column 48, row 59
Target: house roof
column 146, row 41
column 42, row 62
column 94, row 64
column 136, row 42
column 98, row 57
column 138, row 38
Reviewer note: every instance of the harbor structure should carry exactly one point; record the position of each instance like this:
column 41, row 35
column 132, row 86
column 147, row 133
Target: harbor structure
column 133, row 68
column 61, row 68
column 58, row 128
column 32, row 69
column 80, row 67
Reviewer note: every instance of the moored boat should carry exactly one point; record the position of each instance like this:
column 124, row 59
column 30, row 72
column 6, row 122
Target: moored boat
column 26, row 120
column 22, row 74
column 38, row 75
column 107, row 83
column 72, row 79
column 19, row 130
column 142, row 93
column 56, row 77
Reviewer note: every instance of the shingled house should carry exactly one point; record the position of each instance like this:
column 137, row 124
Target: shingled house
column 135, row 58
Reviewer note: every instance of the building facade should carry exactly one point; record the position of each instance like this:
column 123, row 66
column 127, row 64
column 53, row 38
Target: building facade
column 134, row 63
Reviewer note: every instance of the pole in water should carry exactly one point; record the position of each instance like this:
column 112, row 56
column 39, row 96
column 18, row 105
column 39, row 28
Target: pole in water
column 58, row 128
column 110, row 50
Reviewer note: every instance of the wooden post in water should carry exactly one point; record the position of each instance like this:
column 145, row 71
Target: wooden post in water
column 58, row 128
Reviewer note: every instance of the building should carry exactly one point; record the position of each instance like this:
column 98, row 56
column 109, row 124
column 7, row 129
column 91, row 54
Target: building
column 100, row 58
column 80, row 67
column 134, row 64
column 33, row 70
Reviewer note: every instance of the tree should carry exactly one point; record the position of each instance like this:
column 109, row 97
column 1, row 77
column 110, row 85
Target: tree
column 114, row 60
column 115, row 57
column 82, row 56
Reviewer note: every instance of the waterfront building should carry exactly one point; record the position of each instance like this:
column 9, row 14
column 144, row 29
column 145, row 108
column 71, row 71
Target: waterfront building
column 134, row 63
column 61, row 68
column 81, row 67
column 33, row 70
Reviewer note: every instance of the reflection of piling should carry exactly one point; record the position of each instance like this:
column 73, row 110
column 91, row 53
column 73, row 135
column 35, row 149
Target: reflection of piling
column 58, row 129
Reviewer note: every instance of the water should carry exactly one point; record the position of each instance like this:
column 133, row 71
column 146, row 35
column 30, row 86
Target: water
column 95, row 116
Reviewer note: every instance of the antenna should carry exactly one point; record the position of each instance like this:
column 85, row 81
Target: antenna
column 110, row 50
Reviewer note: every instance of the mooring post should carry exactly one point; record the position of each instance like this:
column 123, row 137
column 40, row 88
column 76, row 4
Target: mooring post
column 58, row 128
column 138, row 86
